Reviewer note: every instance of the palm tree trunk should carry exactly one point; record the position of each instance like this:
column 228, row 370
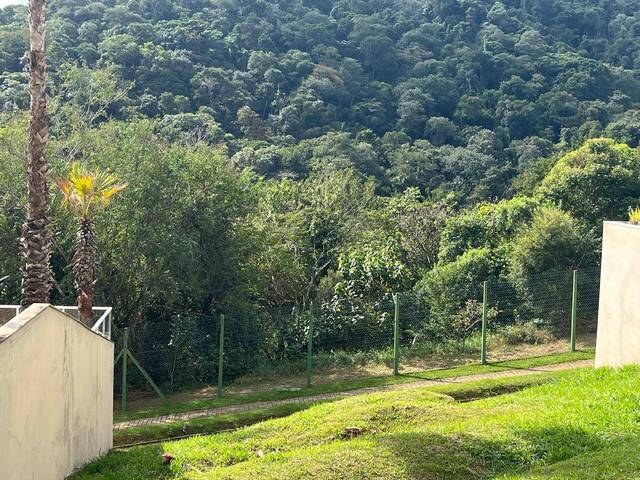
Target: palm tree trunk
column 85, row 262
column 36, row 231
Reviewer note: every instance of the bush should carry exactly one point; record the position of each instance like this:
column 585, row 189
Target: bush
column 600, row 180
column 531, row 333
column 554, row 240
column 448, row 287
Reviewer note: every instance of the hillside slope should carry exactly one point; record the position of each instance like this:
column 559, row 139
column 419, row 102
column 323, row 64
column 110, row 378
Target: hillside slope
column 546, row 68
column 588, row 419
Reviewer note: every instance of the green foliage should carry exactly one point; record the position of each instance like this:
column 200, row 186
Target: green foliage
column 554, row 240
column 447, row 287
column 634, row 216
column 540, row 262
column 488, row 225
column 284, row 153
column 599, row 181
column 282, row 73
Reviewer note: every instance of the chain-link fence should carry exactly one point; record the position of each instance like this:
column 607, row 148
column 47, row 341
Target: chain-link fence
column 543, row 314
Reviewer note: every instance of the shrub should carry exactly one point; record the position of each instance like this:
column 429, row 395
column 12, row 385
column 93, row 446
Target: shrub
column 447, row 288
column 554, row 240
column 599, row 180
column 634, row 216
column 525, row 332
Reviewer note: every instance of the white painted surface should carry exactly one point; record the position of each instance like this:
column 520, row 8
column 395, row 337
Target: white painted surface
column 618, row 341
column 56, row 395
column 6, row 3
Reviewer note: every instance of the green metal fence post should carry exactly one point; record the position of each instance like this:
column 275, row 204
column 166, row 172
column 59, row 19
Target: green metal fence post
column 574, row 310
column 396, row 335
column 310, row 347
column 125, row 355
column 221, row 357
column 485, row 306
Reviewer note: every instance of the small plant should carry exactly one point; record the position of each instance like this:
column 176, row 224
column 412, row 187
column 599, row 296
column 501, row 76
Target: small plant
column 525, row 333
column 634, row 216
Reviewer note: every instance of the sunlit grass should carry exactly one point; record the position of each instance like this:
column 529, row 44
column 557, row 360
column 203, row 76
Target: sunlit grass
column 584, row 419
column 182, row 404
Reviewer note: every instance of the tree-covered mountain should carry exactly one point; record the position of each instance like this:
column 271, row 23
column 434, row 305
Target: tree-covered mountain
column 443, row 71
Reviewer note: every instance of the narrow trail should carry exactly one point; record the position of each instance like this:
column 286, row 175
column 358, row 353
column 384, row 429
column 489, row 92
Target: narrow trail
column 211, row 412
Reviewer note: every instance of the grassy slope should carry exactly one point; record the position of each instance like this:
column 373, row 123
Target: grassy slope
column 198, row 403
column 462, row 392
column 583, row 425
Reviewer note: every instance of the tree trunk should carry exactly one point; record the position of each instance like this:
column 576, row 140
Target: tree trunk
column 84, row 268
column 36, row 231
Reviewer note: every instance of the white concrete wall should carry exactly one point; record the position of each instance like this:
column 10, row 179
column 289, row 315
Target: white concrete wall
column 618, row 341
column 56, row 395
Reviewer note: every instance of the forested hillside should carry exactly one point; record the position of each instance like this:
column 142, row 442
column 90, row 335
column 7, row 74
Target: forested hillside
column 443, row 71
column 279, row 154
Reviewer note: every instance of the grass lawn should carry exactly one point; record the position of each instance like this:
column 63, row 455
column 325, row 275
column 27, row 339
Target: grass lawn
column 197, row 403
column 584, row 424
column 461, row 392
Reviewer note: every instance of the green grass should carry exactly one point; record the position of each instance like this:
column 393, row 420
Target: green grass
column 619, row 461
column 584, row 424
column 202, row 425
column 461, row 392
column 346, row 385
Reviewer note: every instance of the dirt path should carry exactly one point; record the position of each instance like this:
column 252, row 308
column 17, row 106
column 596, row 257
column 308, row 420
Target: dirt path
column 211, row 412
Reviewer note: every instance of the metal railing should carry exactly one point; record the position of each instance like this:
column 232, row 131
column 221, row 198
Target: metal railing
column 102, row 325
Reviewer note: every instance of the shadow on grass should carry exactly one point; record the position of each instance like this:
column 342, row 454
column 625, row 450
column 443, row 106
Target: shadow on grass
column 141, row 463
column 420, row 455
column 467, row 457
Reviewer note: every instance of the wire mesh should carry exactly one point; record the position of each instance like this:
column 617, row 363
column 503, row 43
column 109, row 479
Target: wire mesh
column 529, row 316
column 355, row 338
column 440, row 335
column 588, row 298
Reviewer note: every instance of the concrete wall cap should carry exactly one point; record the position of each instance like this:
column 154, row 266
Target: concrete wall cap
column 30, row 313
column 621, row 224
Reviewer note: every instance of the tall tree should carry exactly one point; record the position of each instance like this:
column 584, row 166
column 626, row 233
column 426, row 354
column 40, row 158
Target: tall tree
column 84, row 192
column 36, row 231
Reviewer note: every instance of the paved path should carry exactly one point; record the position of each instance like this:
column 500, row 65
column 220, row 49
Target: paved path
column 211, row 412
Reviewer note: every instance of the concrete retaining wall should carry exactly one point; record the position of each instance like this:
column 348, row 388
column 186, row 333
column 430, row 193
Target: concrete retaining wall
column 56, row 395
column 618, row 340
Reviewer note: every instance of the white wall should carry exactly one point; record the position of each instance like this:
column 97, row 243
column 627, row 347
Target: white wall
column 618, row 340
column 56, row 395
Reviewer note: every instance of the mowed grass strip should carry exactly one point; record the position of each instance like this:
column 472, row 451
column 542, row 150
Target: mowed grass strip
column 582, row 419
column 198, row 403
column 203, row 425
column 462, row 392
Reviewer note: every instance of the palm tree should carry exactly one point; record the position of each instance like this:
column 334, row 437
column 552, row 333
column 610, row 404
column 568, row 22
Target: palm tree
column 84, row 192
column 36, row 235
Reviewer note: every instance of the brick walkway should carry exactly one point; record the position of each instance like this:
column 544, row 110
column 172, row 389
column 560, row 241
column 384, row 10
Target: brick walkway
column 211, row 412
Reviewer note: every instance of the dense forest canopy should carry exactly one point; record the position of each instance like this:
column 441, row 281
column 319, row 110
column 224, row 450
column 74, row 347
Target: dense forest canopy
column 443, row 71
column 280, row 154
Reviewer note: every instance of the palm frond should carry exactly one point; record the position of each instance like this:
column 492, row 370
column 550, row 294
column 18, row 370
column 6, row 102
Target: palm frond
column 84, row 190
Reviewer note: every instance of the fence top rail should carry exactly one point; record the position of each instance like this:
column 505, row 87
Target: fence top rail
column 101, row 326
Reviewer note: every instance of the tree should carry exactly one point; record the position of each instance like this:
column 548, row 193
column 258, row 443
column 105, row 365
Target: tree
column 541, row 258
column 554, row 240
column 418, row 225
column 84, row 192
column 599, row 181
column 449, row 286
column 36, row 231
column 251, row 124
